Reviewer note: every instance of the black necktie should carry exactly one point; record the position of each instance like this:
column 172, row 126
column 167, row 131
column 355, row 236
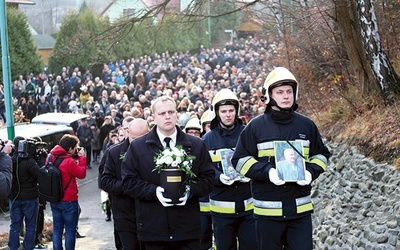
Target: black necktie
column 167, row 140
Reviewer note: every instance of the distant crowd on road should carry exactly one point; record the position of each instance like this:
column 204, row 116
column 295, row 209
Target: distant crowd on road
column 129, row 85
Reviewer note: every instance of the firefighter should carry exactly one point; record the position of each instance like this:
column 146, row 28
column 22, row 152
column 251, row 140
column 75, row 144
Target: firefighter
column 282, row 209
column 205, row 122
column 231, row 203
column 194, row 128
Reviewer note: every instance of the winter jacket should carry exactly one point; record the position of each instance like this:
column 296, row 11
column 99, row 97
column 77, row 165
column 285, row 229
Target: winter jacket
column 227, row 200
column 254, row 157
column 25, row 175
column 43, row 108
column 71, row 168
column 85, row 136
column 154, row 221
column 122, row 205
column 5, row 175
column 104, row 130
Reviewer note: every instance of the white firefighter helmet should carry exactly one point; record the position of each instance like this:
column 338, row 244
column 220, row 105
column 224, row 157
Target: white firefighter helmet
column 206, row 117
column 280, row 76
column 193, row 123
column 223, row 97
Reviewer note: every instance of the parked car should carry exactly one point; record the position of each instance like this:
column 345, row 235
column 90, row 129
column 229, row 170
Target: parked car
column 68, row 119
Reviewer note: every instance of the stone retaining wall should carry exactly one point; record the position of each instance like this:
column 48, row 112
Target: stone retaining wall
column 356, row 203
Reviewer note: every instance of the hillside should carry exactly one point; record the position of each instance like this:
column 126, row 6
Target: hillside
column 375, row 132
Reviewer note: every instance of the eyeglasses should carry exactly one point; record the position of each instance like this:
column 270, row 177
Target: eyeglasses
column 194, row 133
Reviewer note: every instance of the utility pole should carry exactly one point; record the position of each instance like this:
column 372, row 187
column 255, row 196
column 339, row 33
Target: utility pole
column 6, row 71
column 209, row 24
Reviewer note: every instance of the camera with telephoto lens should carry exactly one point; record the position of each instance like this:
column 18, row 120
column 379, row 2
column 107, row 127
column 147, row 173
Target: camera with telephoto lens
column 3, row 144
column 30, row 147
column 77, row 151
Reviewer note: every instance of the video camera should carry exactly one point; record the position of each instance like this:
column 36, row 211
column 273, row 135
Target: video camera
column 31, row 147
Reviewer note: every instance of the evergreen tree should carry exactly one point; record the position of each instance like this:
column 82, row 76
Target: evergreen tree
column 24, row 56
column 77, row 42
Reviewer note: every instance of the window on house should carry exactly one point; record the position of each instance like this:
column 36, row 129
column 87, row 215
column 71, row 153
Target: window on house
column 129, row 13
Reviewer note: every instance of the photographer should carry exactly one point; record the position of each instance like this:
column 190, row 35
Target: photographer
column 24, row 194
column 5, row 172
column 66, row 212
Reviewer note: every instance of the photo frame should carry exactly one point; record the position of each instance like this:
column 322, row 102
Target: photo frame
column 289, row 160
column 227, row 166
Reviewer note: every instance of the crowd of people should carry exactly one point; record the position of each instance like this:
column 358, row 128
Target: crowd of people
column 205, row 103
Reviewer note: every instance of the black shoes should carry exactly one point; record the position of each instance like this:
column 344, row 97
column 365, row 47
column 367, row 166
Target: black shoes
column 79, row 236
column 88, row 167
column 108, row 218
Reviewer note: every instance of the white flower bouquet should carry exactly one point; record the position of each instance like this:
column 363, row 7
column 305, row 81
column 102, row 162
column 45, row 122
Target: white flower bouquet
column 175, row 158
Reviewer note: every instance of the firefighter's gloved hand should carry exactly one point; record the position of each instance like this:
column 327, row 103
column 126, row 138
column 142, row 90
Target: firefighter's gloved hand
column 226, row 180
column 164, row 201
column 244, row 179
column 274, row 178
column 185, row 197
column 307, row 181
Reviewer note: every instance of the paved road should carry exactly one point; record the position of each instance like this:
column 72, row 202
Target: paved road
column 99, row 233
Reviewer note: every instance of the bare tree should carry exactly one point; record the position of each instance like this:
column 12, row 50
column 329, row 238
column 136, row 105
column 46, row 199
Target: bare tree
column 359, row 29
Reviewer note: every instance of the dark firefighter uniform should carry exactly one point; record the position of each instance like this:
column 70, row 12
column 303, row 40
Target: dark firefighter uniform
column 231, row 205
column 280, row 206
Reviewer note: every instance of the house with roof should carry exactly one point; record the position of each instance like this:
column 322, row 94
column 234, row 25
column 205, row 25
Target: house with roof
column 138, row 8
column 45, row 44
column 16, row 3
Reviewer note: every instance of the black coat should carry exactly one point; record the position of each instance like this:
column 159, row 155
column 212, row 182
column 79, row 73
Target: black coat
column 5, row 175
column 122, row 205
column 85, row 136
column 43, row 108
column 154, row 221
column 104, row 130
column 25, row 175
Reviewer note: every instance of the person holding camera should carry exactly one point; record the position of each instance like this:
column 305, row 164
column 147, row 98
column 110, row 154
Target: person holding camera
column 5, row 171
column 24, row 195
column 66, row 212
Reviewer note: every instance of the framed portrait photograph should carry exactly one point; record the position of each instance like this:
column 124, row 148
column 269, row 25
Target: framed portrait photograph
column 289, row 160
column 227, row 167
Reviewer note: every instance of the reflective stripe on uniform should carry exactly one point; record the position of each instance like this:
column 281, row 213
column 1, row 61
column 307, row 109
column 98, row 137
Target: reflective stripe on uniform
column 244, row 164
column 216, row 154
column 304, row 204
column 268, row 208
column 216, row 158
column 204, row 207
column 228, row 207
column 319, row 160
column 249, row 204
column 274, row 208
column 265, row 149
